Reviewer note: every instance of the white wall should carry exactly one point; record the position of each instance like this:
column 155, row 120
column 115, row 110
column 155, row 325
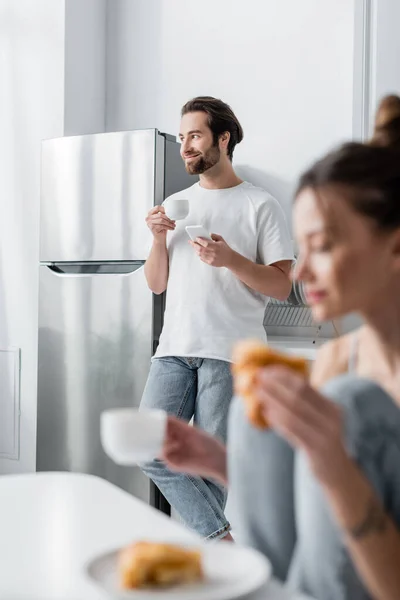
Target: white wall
column 52, row 73
column 285, row 67
column 377, row 59
column 85, row 72
column 31, row 108
column 385, row 50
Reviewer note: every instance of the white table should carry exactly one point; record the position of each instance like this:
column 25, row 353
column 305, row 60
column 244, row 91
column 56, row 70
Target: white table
column 51, row 524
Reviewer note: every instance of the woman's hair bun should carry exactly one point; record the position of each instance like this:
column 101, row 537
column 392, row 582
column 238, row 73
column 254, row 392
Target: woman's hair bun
column 387, row 123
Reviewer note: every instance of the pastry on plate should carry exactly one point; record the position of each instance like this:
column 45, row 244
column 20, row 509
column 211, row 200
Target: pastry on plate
column 151, row 564
column 249, row 356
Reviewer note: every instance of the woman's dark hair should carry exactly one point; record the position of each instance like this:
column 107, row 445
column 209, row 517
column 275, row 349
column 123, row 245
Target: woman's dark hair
column 221, row 118
column 370, row 171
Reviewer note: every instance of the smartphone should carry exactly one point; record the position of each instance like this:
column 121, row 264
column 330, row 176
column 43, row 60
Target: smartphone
column 196, row 231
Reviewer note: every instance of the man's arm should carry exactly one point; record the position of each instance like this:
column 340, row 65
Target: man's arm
column 157, row 265
column 270, row 280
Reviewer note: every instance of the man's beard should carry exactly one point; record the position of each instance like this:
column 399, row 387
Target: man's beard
column 204, row 162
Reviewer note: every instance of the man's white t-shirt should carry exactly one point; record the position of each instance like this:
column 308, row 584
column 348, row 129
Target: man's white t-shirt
column 208, row 308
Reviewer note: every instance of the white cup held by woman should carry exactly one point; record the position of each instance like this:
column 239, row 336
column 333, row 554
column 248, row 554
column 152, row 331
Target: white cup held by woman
column 130, row 436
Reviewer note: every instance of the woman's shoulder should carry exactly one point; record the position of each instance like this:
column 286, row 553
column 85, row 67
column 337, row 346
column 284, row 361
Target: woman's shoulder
column 333, row 359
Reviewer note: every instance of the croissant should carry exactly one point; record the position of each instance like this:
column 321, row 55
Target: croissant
column 150, row 564
column 248, row 357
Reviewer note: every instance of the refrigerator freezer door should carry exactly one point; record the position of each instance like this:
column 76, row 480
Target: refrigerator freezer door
column 94, row 352
column 96, row 191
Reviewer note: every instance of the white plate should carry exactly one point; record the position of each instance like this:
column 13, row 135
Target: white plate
column 231, row 571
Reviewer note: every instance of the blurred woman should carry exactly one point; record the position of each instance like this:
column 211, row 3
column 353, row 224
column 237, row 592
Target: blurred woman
column 319, row 493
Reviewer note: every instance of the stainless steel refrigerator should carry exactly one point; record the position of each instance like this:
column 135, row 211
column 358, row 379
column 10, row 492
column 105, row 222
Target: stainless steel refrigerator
column 98, row 322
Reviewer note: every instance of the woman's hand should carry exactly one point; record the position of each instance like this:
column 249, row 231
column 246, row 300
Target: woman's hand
column 193, row 451
column 307, row 420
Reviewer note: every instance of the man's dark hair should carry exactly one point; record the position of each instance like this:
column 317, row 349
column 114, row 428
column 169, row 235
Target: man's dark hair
column 221, row 118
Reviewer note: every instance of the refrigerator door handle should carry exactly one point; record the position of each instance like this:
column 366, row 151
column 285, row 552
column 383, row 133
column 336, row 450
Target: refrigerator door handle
column 106, row 268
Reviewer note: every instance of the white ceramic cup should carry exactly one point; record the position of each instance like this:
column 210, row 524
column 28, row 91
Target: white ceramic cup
column 130, row 436
column 176, row 208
